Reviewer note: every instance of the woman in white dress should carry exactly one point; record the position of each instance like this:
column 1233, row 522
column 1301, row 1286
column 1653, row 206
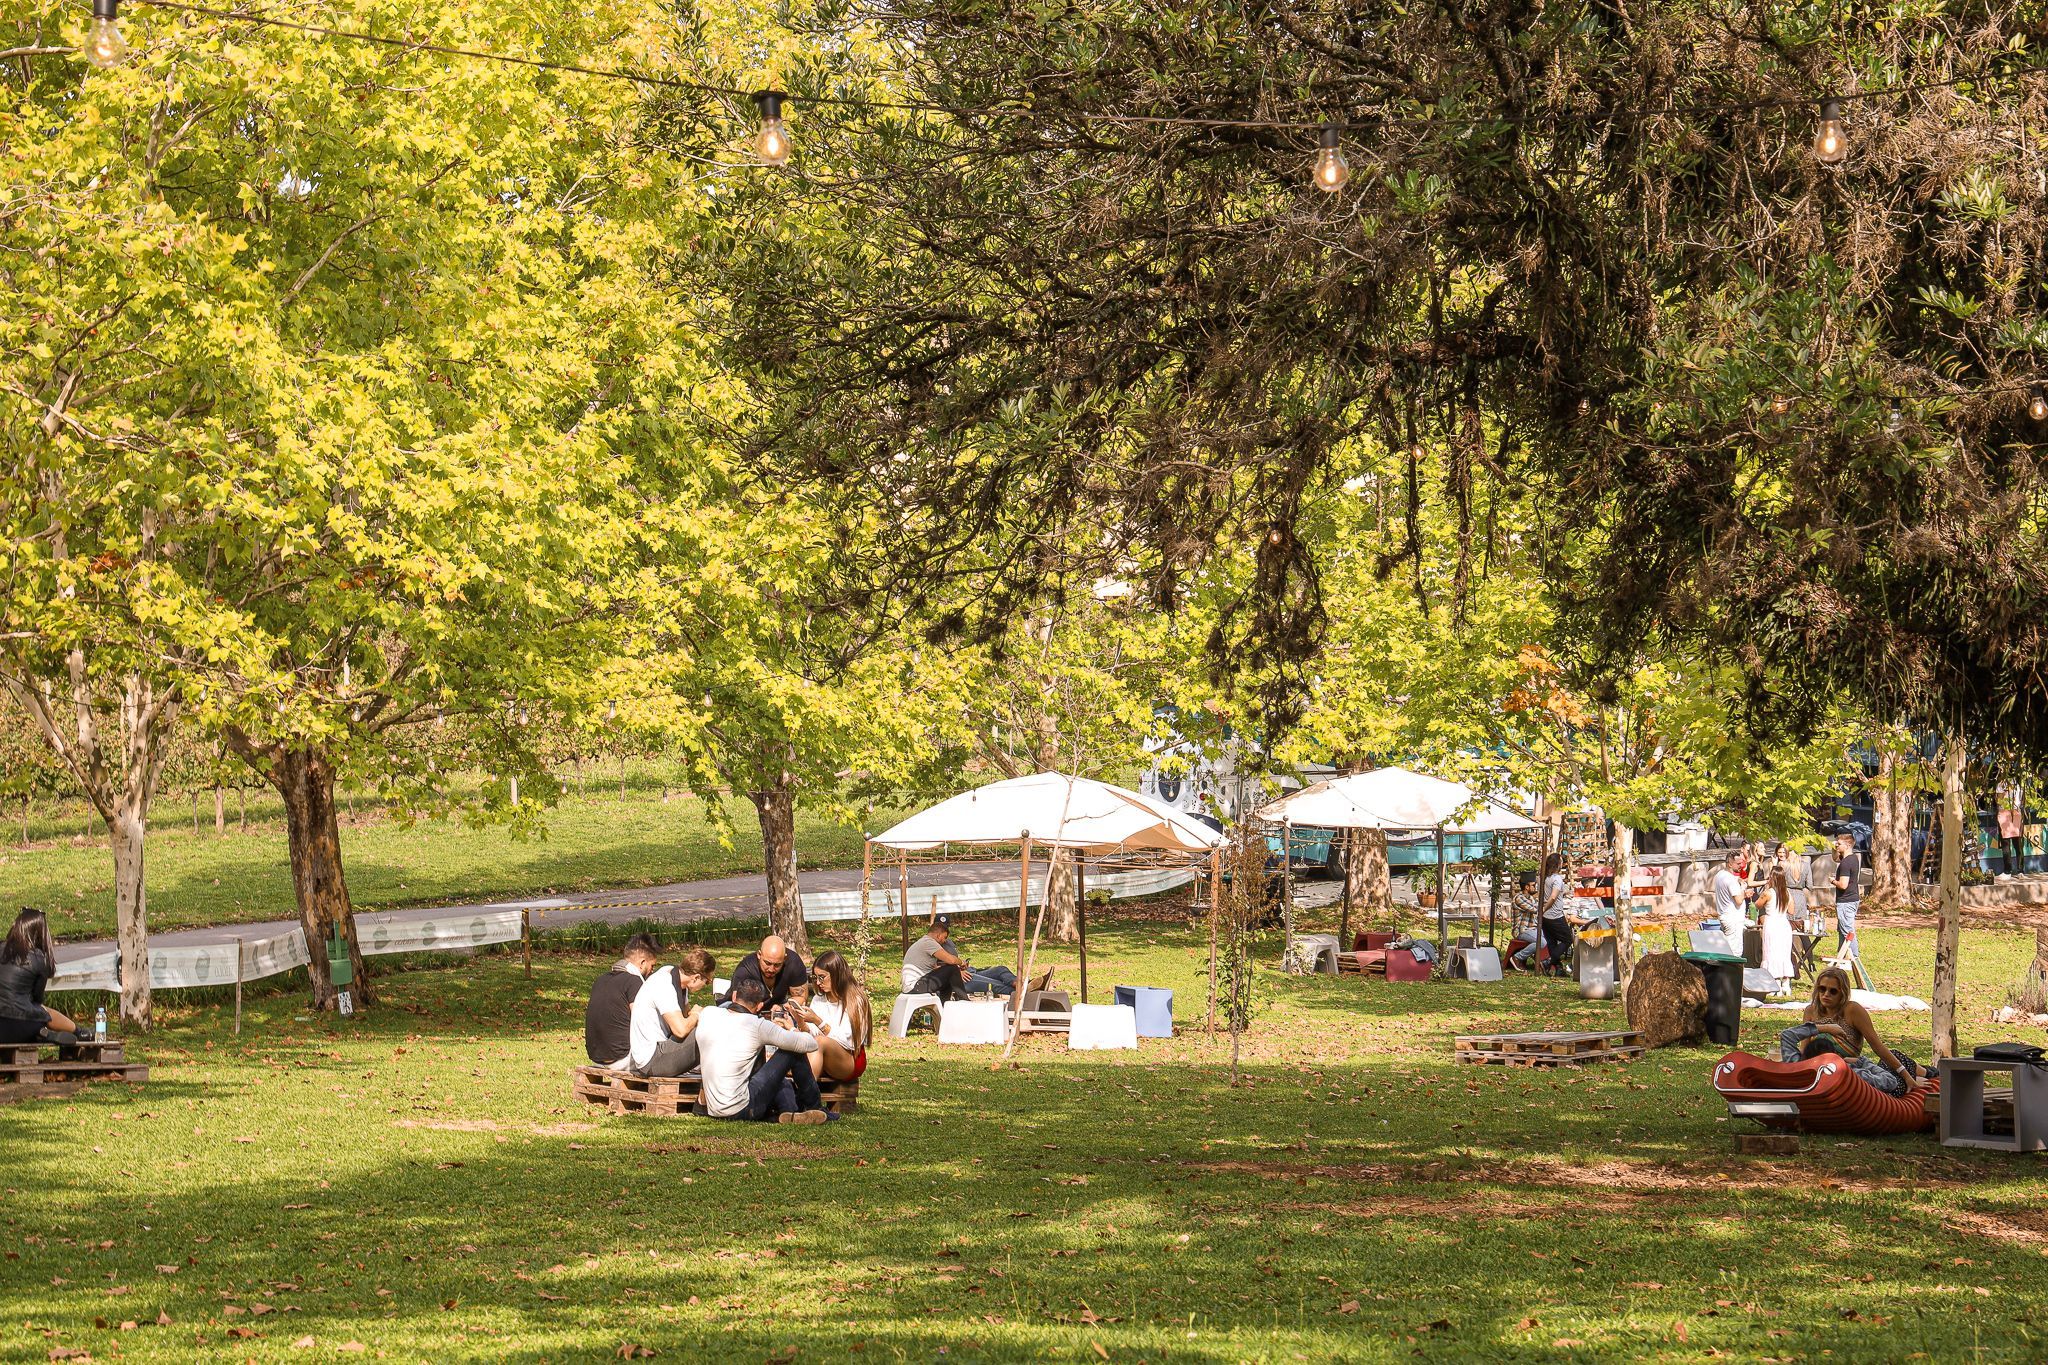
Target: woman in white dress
column 1777, row 928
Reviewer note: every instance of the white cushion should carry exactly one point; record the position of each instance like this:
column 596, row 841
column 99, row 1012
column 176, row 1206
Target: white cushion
column 975, row 1021
column 1102, row 1026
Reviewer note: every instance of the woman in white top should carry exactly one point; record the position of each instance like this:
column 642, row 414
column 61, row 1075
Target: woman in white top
column 840, row 1018
column 1777, row 927
column 1557, row 930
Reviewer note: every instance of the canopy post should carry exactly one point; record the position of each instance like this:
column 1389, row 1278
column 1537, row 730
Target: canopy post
column 903, row 895
column 1023, row 910
column 1215, row 908
column 1287, row 895
column 1344, row 914
column 1081, row 914
column 1442, row 934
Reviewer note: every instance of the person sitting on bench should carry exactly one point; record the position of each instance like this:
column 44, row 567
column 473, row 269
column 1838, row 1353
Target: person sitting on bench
column 28, row 959
column 664, row 1026
column 1835, row 1023
column 741, row 1083
column 933, row 967
column 774, row 966
column 608, row 1018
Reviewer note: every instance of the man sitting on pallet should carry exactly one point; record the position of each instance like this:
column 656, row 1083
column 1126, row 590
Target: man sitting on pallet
column 741, row 1083
column 608, row 1018
column 775, row 967
column 664, row 1026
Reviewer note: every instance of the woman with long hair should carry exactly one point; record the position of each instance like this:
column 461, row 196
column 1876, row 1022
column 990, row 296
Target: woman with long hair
column 1835, row 1023
column 1777, row 926
column 1557, row 930
column 28, row 959
column 844, row 1024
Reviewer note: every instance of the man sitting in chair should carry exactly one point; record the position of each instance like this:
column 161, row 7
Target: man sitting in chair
column 932, row 967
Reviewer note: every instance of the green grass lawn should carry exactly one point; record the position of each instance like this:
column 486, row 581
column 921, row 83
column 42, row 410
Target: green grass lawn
column 592, row 843
column 418, row 1185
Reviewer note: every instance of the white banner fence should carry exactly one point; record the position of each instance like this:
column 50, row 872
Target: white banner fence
column 254, row 956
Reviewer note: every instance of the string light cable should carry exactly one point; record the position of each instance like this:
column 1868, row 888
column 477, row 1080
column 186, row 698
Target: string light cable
column 772, row 143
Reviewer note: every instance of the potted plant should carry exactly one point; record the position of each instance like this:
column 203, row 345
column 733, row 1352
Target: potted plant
column 1423, row 879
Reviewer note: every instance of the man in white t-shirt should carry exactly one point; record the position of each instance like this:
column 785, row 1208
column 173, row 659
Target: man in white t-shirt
column 664, row 1026
column 1730, row 893
column 739, row 1081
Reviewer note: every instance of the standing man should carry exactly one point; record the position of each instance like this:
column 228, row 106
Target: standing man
column 1848, row 893
column 1730, row 891
column 608, row 1018
column 664, row 1020
column 774, row 966
column 739, row 1082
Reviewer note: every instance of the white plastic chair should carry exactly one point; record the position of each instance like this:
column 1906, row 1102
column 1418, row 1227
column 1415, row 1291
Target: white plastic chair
column 1096, row 1027
column 975, row 1021
column 906, row 1009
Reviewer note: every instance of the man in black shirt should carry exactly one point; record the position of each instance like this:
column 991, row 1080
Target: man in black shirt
column 608, row 1019
column 775, row 967
column 1848, row 893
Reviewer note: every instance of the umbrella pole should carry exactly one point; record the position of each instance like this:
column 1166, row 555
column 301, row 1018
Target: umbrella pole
column 1344, row 915
column 1017, row 995
column 903, row 896
column 1081, row 915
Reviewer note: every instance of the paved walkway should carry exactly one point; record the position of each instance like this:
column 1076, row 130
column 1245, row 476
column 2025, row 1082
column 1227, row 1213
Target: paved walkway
column 722, row 898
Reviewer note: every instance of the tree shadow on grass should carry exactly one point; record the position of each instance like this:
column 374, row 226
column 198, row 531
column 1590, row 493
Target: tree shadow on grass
column 1013, row 1214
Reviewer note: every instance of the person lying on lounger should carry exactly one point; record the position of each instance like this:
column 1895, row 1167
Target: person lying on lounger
column 1835, row 1023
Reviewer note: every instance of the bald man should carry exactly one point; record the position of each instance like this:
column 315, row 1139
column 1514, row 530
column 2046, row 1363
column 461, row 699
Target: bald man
column 775, row 967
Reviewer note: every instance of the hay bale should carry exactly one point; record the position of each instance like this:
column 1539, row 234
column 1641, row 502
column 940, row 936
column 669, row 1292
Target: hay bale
column 1667, row 1001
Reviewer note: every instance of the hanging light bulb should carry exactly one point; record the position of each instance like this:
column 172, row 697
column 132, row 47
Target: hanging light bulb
column 2037, row 408
column 1585, row 407
column 1274, row 537
column 1830, row 143
column 771, row 144
column 611, row 710
column 1895, row 420
column 1781, row 405
column 1332, row 170
column 103, row 45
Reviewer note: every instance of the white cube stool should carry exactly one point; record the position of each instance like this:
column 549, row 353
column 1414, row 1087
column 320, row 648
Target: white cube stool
column 1102, row 1026
column 975, row 1021
column 906, row 1009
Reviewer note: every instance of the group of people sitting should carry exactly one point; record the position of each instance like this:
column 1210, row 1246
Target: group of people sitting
column 761, row 1048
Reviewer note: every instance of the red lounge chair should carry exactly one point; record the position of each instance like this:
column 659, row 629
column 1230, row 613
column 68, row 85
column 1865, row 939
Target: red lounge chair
column 1819, row 1095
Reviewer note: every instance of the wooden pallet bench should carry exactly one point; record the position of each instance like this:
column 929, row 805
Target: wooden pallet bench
column 32, row 1064
column 1546, row 1049
column 620, row 1092
column 1348, row 965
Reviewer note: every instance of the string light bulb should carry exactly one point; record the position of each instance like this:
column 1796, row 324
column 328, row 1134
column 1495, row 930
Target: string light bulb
column 103, row 44
column 771, row 144
column 1781, row 405
column 1332, row 170
column 1830, row 143
column 2037, row 408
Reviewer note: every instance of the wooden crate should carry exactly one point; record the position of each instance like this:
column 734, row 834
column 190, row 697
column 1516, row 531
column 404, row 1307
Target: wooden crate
column 1546, row 1049
column 622, row 1093
column 36, row 1064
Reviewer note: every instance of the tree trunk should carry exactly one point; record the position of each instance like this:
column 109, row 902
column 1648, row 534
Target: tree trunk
column 305, row 779
column 1624, row 885
column 126, row 835
column 2041, row 950
column 777, row 808
column 220, row 810
column 1368, row 882
column 1949, row 918
column 1891, row 838
column 1062, row 905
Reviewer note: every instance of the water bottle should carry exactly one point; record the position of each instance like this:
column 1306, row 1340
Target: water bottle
column 99, row 1026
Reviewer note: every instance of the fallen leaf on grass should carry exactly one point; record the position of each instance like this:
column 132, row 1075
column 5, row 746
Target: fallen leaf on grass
column 1348, row 1306
column 351, row 1346
column 1566, row 1343
column 302, row 1343
column 629, row 1350
column 1098, row 1349
column 1643, row 1284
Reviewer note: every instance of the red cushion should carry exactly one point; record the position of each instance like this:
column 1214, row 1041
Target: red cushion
column 1366, row 942
column 1403, row 965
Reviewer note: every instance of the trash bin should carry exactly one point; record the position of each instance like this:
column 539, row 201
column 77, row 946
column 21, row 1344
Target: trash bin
column 1724, row 994
column 1593, row 963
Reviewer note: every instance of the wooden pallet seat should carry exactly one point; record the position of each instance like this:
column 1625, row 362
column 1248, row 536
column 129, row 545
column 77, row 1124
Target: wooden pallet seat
column 621, row 1092
column 1546, row 1049
column 38, row 1064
